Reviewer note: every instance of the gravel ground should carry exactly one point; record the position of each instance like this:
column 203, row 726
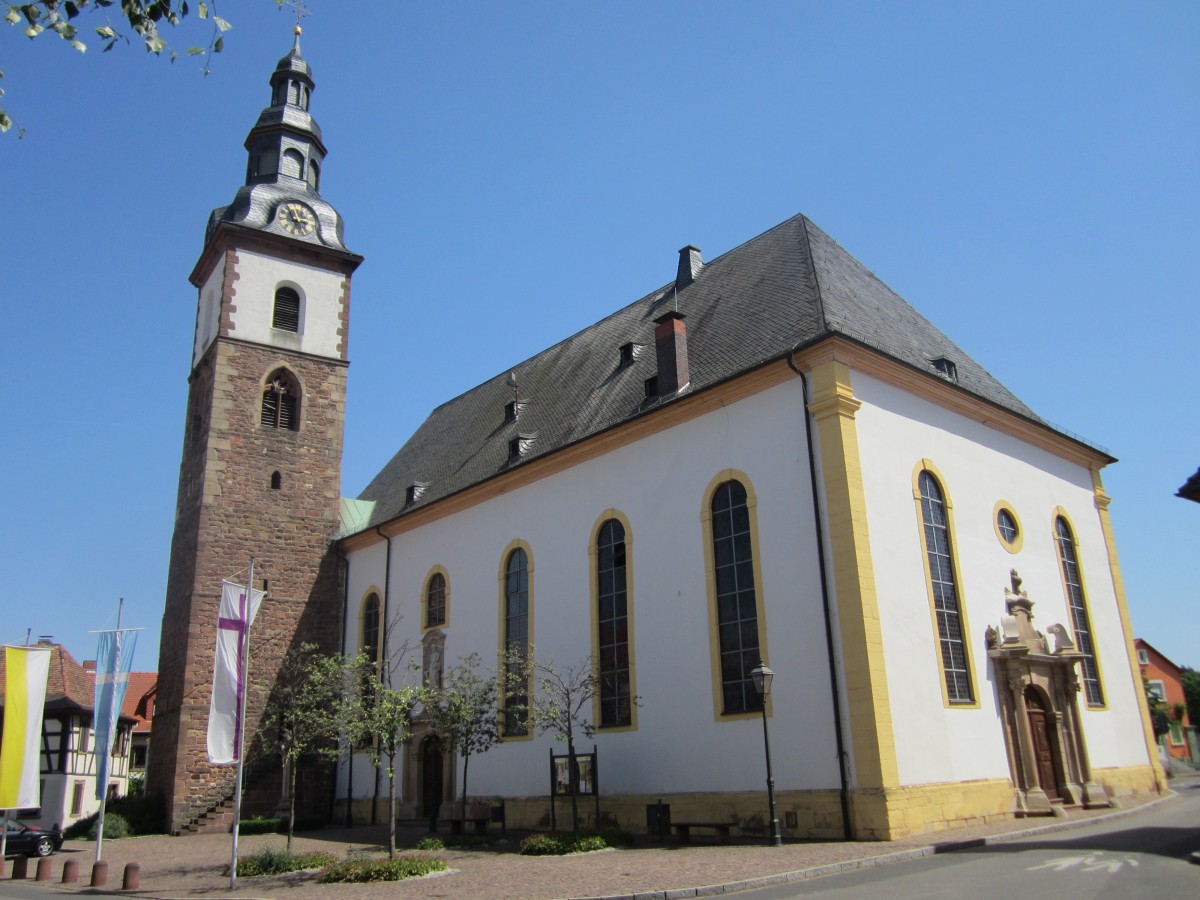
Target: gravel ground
column 191, row 867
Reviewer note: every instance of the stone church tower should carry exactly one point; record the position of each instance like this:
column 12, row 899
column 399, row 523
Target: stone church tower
column 262, row 452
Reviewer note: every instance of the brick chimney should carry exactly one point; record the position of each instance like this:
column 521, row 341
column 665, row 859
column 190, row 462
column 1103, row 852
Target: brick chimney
column 670, row 346
column 690, row 265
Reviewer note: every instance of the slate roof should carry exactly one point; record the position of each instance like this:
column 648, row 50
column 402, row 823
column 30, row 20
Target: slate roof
column 788, row 288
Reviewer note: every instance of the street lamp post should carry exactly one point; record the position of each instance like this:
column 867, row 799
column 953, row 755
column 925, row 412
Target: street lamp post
column 762, row 677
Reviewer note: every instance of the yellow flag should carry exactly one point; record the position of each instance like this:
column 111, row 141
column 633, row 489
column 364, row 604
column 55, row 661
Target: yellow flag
column 26, row 670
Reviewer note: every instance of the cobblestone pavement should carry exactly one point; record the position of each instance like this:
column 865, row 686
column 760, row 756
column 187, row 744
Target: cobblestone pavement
column 191, row 867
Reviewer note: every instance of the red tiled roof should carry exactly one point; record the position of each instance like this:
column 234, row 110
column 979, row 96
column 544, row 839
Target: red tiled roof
column 139, row 700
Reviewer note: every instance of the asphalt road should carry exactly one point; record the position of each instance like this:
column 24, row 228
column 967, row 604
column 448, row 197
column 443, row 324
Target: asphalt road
column 1146, row 855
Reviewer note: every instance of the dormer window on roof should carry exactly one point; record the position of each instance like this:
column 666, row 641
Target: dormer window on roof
column 946, row 368
column 626, row 357
column 413, row 492
column 519, row 447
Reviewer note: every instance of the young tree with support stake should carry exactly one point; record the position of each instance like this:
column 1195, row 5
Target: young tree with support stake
column 306, row 713
column 463, row 713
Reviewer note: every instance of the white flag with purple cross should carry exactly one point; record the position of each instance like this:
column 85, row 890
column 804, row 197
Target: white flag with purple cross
column 229, row 692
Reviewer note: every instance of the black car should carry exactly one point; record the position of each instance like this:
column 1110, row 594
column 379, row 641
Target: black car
column 30, row 840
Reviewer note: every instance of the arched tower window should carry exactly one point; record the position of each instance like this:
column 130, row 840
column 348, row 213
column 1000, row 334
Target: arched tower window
column 314, row 176
column 939, row 559
column 276, row 481
column 286, row 313
column 281, row 401
column 1073, row 582
column 516, row 639
column 612, row 622
column 293, row 163
column 435, row 601
column 737, row 606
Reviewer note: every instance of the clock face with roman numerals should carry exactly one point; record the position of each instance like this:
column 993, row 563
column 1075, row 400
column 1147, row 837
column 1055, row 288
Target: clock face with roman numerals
column 296, row 218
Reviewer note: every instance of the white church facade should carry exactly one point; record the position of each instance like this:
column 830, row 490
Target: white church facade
column 798, row 469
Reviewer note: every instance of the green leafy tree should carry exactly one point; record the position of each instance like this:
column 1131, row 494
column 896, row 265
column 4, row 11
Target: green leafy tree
column 110, row 20
column 557, row 700
column 1190, row 679
column 463, row 712
column 383, row 722
column 306, row 713
column 1158, row 710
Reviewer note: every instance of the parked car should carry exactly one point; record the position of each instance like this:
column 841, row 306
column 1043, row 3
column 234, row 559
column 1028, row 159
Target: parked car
column 30, row 840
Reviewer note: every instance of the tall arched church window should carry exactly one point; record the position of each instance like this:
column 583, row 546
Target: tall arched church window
column 281, row 402
column 737, row 606
column 435, row 601
column 286, row 313
column 943, row 583
column 293, row 164
column 612, row 623
column 516, row 640
column 369, row 636
column 1073, row 582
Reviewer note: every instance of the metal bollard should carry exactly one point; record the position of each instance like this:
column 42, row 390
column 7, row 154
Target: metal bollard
column 70, row 871
column 43, row 869
column 20, row 867
column 100, row 873
column 132, row 880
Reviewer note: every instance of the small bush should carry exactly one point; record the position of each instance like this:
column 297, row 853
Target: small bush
column 467, row 841
column 431, row 843
column 275, row 861
column 116, row 826
column 358, row 871
column 556, row 845
column 262, row 825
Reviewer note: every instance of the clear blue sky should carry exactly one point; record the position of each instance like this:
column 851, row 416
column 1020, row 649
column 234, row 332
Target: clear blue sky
column 1025, row 174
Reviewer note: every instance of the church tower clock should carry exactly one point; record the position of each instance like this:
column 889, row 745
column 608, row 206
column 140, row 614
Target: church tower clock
column 261, row 468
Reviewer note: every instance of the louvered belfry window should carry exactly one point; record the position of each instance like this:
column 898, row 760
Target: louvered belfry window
column 286, row 316
column 281, row 403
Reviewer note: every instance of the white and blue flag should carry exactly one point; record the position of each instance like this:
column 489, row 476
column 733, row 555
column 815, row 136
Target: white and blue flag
column 114, row 658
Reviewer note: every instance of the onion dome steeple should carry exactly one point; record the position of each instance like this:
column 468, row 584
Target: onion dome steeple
column 284, row 163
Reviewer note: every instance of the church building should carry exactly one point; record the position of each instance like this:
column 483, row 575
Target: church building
column 771, row 459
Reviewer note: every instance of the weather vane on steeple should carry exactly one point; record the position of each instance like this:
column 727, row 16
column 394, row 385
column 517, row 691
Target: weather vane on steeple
column 300, row 8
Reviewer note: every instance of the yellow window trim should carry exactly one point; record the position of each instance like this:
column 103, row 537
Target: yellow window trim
column 1060, row 512
column 926, row 465
column 423, row 606
column 501, row 574
column 595, row 617
column 710, row 580
column 1019, row 541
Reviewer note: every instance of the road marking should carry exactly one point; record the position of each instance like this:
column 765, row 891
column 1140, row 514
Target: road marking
column 1090, row 862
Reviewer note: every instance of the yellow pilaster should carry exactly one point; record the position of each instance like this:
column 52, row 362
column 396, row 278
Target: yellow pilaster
column 833, row 407
column 1114, row 565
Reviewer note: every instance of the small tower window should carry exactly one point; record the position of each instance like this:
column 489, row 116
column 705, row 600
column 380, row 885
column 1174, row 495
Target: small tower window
column 293, row 164
column 286, row 316
column 281, row 402
column 314, row 176
column 276, row 481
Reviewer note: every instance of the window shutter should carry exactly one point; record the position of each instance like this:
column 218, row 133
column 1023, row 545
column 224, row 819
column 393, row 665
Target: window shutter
column 287, row 310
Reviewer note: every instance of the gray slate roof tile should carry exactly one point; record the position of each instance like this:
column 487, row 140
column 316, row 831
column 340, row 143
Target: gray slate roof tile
column 789, row 287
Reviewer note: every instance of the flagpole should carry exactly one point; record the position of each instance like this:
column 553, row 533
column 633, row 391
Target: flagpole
column 241, row 724
column 95, row 712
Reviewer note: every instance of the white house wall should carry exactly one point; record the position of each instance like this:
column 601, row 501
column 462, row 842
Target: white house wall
column 977, row 467
column 659, row 484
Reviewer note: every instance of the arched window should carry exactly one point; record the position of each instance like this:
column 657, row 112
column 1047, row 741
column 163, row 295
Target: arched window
column 369, row 643
column 276, row 481
column 943, row 583
column 737, row 606
column 281, row 402
column 314, row 176
column 435, row 601
column 286, row 314
column 293, row 163
column 516, row 639
column 1073, row 582
column 612, row 614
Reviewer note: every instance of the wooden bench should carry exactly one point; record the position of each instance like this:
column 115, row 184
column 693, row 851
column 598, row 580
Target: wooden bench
column 480, row 823
column 684, row 830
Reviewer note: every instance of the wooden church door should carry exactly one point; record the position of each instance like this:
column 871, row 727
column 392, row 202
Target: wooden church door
column 1043, row 751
